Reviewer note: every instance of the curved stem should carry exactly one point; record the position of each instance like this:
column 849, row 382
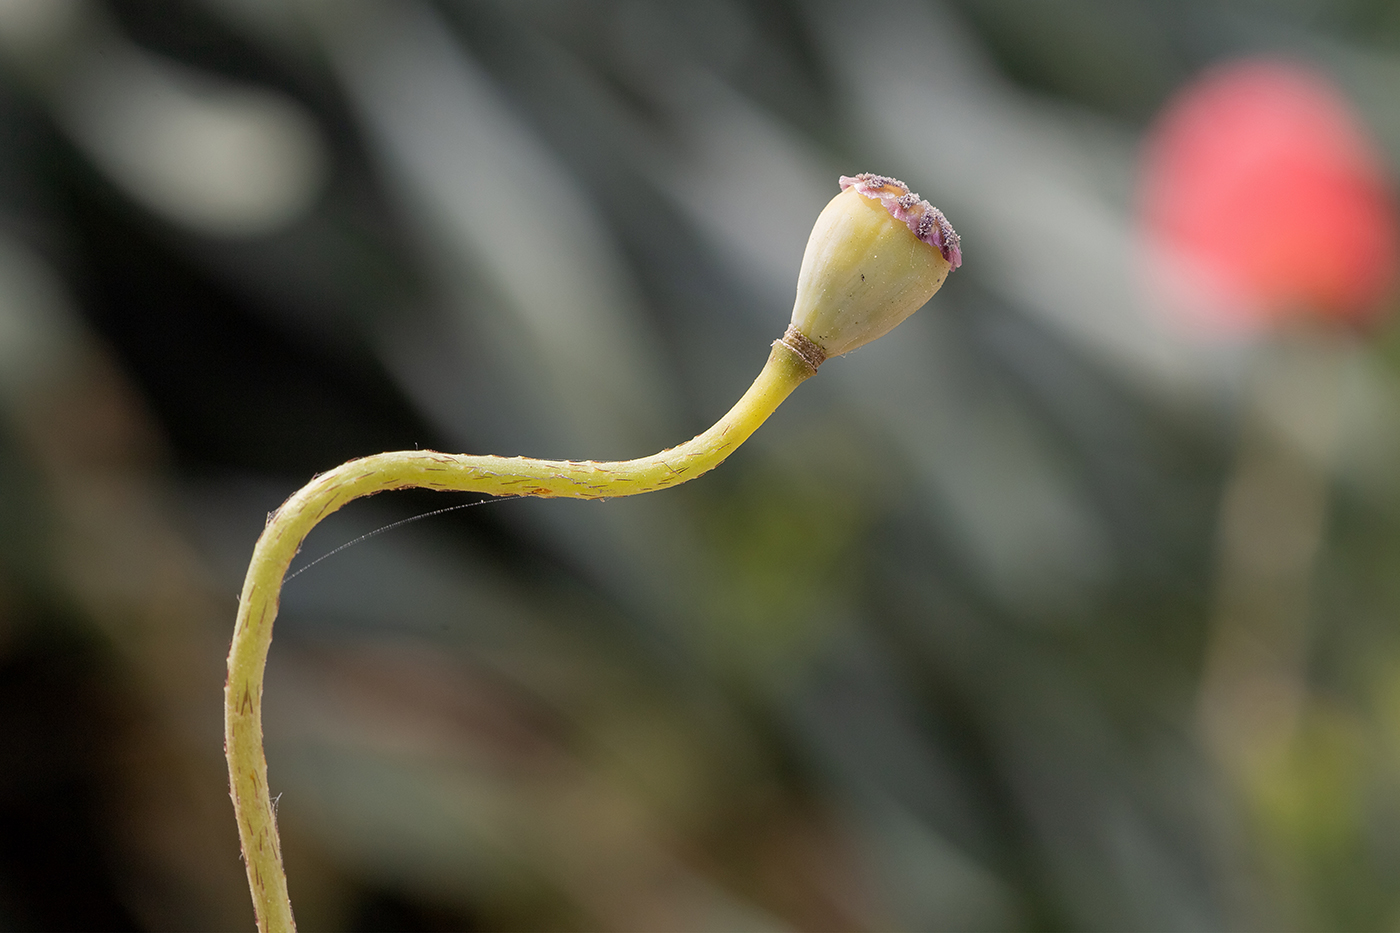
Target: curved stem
column 499, row 476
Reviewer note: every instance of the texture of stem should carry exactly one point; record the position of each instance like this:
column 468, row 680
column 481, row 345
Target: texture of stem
column 498, row 476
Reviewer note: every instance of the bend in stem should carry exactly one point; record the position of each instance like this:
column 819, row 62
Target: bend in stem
column 288, row 527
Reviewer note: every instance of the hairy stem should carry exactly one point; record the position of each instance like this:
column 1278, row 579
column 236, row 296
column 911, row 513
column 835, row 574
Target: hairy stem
column 499, row 476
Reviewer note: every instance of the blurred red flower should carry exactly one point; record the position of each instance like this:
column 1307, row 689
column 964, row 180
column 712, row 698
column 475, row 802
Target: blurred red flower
column 1264, row 198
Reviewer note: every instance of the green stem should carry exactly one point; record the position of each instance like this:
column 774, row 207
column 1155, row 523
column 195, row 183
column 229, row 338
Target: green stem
column 498, row 476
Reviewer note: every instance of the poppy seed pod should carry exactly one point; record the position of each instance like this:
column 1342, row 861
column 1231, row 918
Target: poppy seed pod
column 876, row 254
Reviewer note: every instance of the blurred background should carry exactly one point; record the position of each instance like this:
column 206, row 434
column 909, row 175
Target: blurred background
column 1053, row 611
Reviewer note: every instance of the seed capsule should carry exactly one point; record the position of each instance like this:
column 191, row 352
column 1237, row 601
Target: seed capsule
column 877, row 253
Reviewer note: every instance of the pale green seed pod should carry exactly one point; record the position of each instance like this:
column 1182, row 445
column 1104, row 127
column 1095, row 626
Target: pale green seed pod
column 876, row 255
